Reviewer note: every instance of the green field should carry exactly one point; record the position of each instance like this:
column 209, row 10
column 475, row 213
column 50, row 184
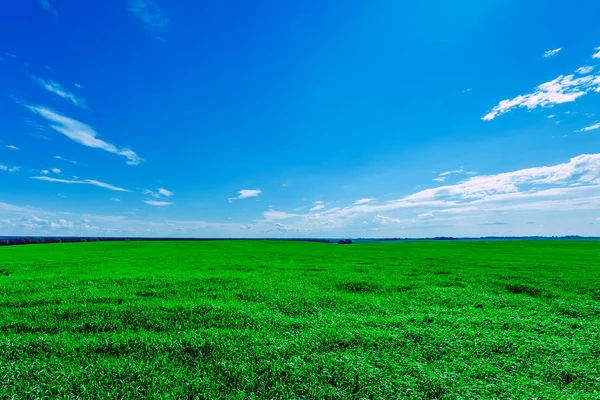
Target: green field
column 251, row 319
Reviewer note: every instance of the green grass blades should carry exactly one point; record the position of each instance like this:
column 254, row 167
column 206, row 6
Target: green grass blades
column 243, row 320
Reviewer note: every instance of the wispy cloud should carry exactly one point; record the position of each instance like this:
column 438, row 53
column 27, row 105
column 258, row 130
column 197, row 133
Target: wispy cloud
column 78, row 85
column 65, row 159
column 365, row 201
column 9, row 169
column 573, row 185
column 563, row 89
column 552, row 53
column 81, row 182
column 82, row 133
column 160, row 192
column 158, row 203
column 58, row 90
column 149, row 12
column 246, row 227
column 10, row 146
column 584, row 70
column 246, row 193
column 45, row 4
column 589, row 128
column 115, row 199
column 317, row 207
column 597, row 54
column 456, row 171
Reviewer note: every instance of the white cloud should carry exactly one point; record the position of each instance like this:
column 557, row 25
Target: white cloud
column 61, row 224
column 65, row 159
column 160, row 193
column 550, row 116
column 272, row 215
column 9, row 169
column 563, row 89
column 246, row 193
column 116, row 200
column 246, row 227
column 426, row 215
column 596, row 55
column 584, row 70
column 552, row 53
column 456, row 171
column 81, row 182
column 78, row 85
column 10, row 146
column 589, row 128
column 385, row 220
column 317, row 207
column 56, row 170
column 149, row 12
column 285, row 228
column 165, row 192
column 82, row 133
column 58, row 90
column 158, row 203
column 439, row 179
column 6, row 221
column 364, row 201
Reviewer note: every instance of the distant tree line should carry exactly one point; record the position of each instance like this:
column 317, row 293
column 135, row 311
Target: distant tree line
column 16, row 240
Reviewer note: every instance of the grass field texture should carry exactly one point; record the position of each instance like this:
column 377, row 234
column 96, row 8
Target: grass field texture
column 435, row 320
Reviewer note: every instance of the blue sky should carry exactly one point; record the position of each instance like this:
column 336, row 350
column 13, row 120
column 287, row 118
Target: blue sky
column 299, row 119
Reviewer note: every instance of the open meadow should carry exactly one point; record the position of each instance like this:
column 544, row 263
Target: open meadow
column 254, row 319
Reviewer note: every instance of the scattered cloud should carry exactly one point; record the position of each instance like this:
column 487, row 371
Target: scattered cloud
column 597, row 54
column 584, row 70
column 426, row 215
column 246, row 193
column 149, row 12
column 563, row 89
column 81, row 182
column 82, row 133
column 456, row 171
column 78, row 85
column 58, row 90
column 552, row 53
column 589, row 128
column 364, row 201
column 160, row 192
column 317, row 207
column 65, row 159
column 440, row 179
column 56, row 170
column 9, row 169
column 385, row 220
column 273, row 215
column 550, row 116
column 285, row 228
column 246, row 227
column 10, row 146
column 467, row 90
column 165, row 192
column 158, row 203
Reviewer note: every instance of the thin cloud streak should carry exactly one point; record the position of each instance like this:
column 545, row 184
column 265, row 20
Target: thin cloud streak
column 82, row 133
column 60, row 91
column 81, row 182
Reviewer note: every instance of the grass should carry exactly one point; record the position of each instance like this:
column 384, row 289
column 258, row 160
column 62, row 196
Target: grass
column 435, row 320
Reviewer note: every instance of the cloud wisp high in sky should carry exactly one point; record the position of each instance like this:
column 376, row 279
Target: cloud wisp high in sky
column 327, row 120
column 82, row 133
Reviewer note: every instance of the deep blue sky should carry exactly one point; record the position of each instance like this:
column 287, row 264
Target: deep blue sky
column 274, row 118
